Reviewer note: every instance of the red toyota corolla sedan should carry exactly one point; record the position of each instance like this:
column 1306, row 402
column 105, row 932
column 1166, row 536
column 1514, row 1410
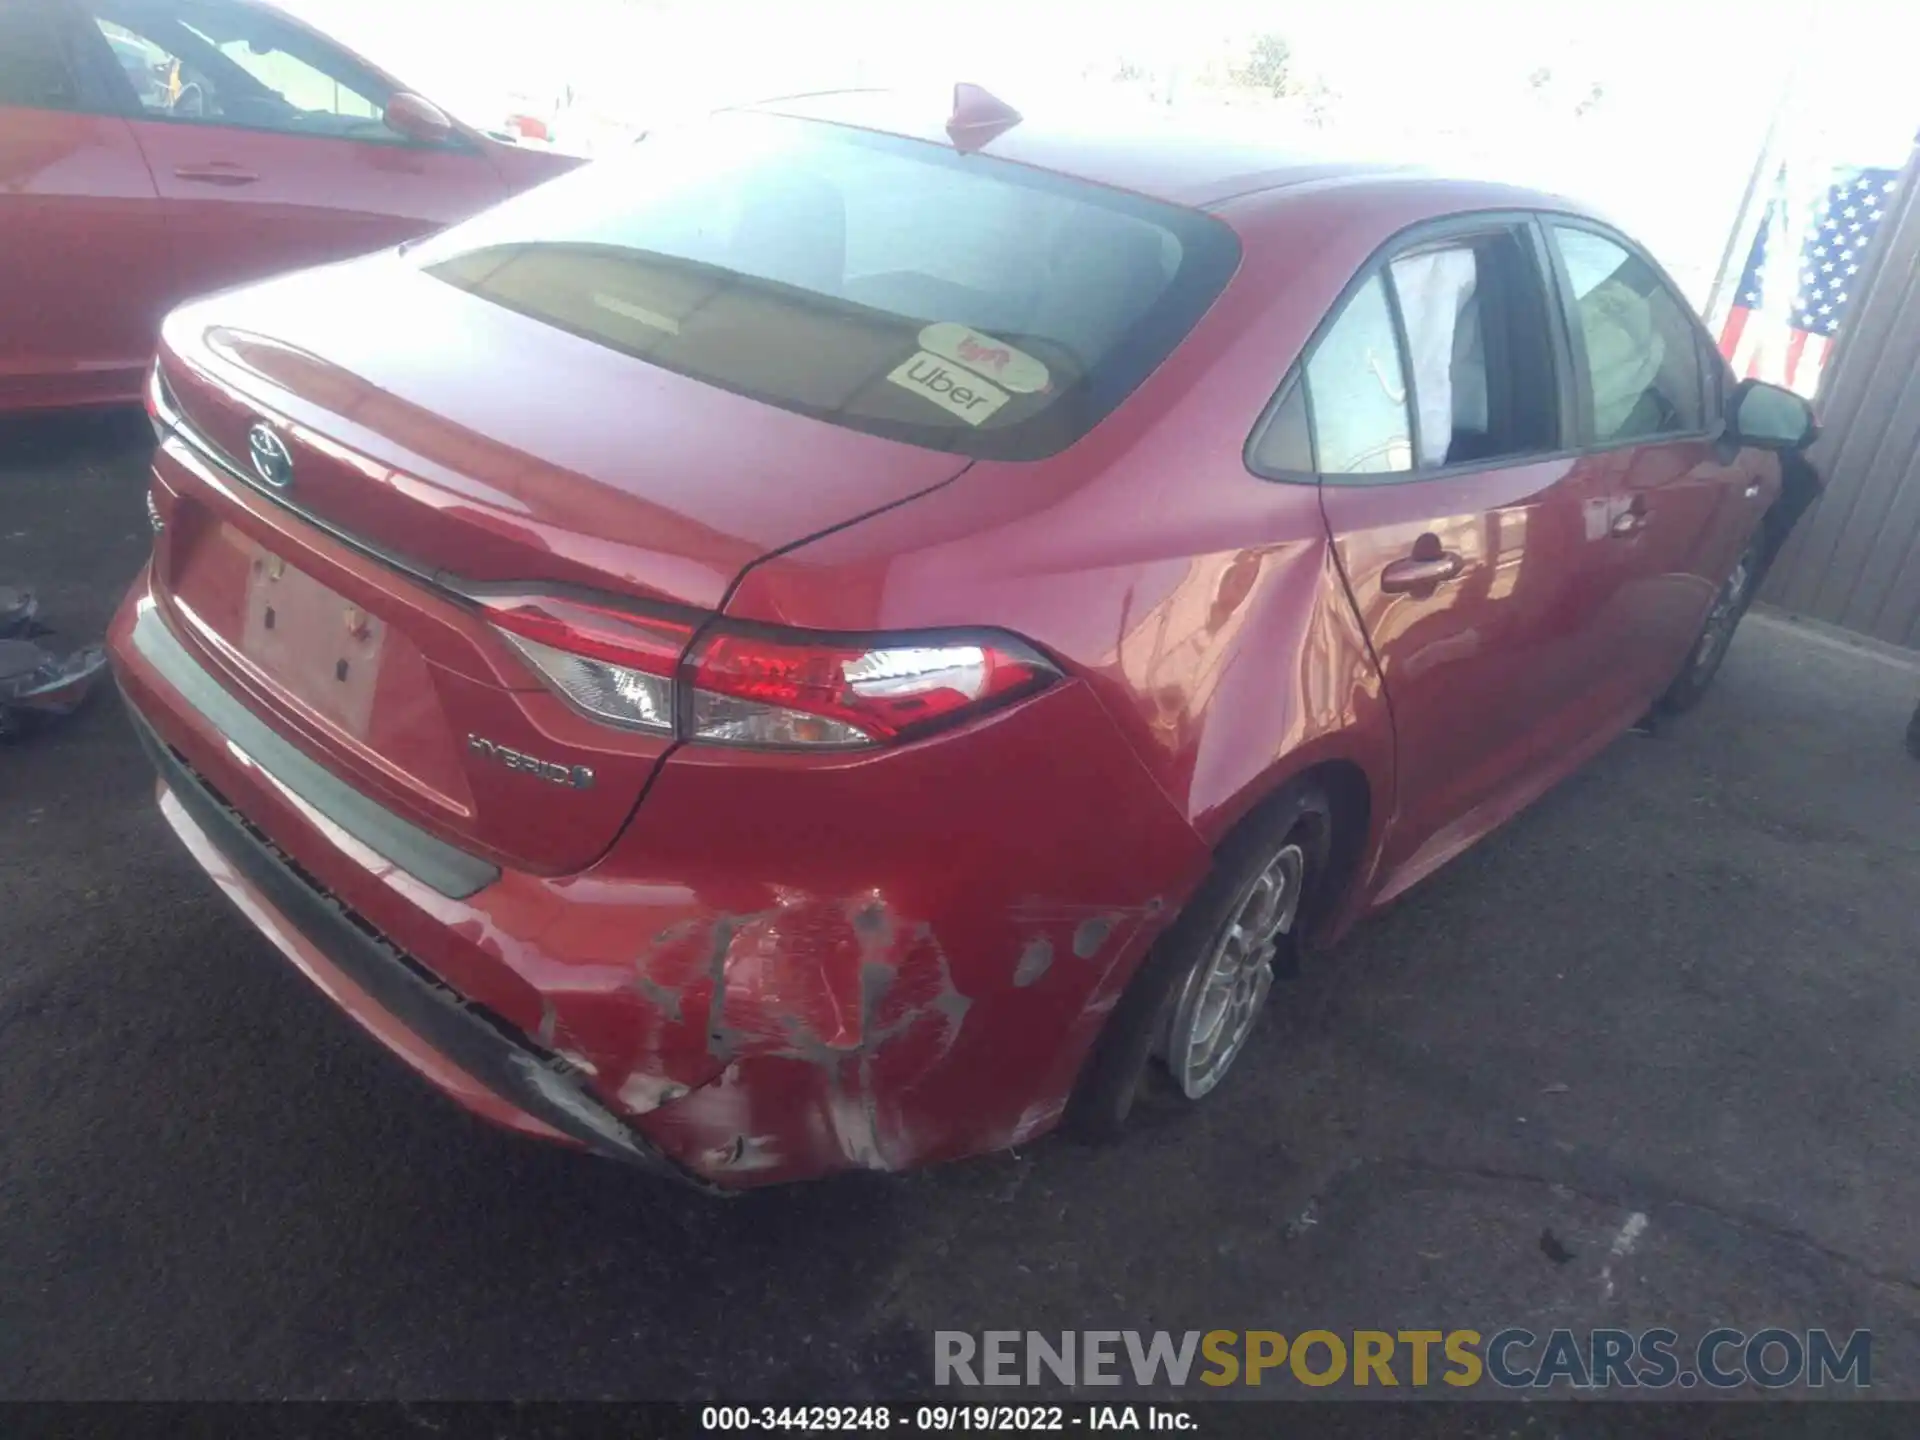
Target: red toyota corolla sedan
column 854, row 634
column 151, row 150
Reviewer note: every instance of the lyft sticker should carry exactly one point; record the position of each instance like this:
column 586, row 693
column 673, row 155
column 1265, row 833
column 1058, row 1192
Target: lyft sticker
column 984, row 355
column 948, row 386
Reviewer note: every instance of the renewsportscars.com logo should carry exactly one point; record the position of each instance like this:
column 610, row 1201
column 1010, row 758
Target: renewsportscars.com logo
column 1511, row 1358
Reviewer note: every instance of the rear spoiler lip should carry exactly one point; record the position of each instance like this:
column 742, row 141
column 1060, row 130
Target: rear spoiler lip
column 167, row 417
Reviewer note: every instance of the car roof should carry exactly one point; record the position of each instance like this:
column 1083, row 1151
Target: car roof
column 1196, row 160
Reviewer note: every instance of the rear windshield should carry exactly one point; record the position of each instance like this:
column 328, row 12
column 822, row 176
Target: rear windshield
column 890, row 285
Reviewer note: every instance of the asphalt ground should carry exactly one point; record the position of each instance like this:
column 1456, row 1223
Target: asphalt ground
column 1683, row 987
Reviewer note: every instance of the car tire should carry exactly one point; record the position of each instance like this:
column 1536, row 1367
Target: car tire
column 1710, row 646
column 1153, row 1042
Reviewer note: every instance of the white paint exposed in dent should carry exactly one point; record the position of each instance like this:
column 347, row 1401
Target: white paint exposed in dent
column 641, row 1093
column 1037, row 1119
column 853, row 1129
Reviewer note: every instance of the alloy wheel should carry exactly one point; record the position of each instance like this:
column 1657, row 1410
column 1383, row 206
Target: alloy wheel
column 1722, row 620
column 1215, row 1009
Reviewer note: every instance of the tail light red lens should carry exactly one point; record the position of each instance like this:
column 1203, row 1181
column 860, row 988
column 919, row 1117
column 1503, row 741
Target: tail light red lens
column 749, row 689
column 759, row 689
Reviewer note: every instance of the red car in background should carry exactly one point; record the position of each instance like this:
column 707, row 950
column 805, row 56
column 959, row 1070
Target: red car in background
column 849, row 635
column 151, row 150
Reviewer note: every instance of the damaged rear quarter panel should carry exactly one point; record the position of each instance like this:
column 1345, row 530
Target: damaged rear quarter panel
column 862, row 990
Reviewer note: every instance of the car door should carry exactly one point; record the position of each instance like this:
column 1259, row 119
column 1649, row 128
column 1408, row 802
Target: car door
column 1464, row 529
column 267, row 142
column 84, row 267
column 1650, row 415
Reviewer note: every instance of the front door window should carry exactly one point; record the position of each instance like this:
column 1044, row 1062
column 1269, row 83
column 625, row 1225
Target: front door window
column 209, row 62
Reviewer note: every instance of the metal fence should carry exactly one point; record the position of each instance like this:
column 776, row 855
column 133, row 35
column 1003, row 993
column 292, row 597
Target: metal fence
column 1854, row 561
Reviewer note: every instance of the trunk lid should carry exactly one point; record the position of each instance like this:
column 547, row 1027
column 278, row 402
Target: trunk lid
column 473, row 447
column 471, row 439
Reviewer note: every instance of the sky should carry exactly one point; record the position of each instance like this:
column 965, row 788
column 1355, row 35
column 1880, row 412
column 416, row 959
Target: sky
column 1687, row 88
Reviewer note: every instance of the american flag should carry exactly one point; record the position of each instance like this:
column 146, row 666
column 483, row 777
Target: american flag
column 1784, row 320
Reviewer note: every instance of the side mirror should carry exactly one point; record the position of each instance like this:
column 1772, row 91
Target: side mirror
column 417, row 119
column 1770, row 417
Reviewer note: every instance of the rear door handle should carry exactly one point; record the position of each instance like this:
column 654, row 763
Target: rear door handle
column 1423, row 570
column 217, row 173
column 1630, row 521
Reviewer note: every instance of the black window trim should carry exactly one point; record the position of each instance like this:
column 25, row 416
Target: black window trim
column 1292, row 385
column 112, row 95
column 1520, row 225
column 1575, row 398
column 1712, row 414
column 1717, row 371
column 1410, row 397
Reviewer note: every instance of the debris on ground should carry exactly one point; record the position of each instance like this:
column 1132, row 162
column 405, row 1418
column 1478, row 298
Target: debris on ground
column 17, row 610
column 38, row 684
column 1551, row 1247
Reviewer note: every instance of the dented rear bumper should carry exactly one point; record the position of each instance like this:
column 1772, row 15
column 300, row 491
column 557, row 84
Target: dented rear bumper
column 785, row 968
column 296, row 908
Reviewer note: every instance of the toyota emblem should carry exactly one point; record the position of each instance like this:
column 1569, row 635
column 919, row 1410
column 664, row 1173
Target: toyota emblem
column 271, row 460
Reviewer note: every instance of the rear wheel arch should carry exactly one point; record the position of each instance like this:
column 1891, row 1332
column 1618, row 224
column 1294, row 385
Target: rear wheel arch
column 1338, row 791
column 1710, row 647
column 1351, row 793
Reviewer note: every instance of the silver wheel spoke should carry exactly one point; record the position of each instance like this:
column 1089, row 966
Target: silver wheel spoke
column 1263, row 906
column 1222, row 997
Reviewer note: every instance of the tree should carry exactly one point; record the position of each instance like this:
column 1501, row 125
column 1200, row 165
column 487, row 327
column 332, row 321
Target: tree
column 1269, row 67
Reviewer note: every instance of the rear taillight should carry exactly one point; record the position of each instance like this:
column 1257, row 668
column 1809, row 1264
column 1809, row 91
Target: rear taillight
column 751, row 687
column 616, row 667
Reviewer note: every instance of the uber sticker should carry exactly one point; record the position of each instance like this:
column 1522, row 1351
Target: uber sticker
column 949, row 387
column 984, row 355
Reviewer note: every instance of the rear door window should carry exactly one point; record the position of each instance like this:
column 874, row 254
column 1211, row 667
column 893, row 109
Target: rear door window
column 1444, row 356
column 890, row 285
column 1479, row 347
column 210, row 62
column 1357, row 391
